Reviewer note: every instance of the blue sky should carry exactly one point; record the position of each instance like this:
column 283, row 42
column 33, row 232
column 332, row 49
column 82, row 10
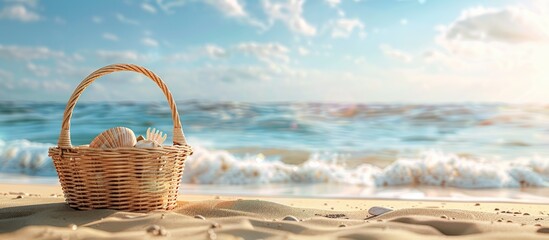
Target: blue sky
column 267, row 50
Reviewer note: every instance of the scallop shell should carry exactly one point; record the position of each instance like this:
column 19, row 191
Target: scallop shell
column 147, row 144
column 156, row 135
column 114, row 137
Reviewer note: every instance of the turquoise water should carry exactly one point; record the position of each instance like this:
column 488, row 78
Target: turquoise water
column 363, row 144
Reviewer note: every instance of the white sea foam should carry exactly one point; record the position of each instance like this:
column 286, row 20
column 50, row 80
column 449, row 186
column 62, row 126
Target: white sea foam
column 25, row 157
column 221, row 167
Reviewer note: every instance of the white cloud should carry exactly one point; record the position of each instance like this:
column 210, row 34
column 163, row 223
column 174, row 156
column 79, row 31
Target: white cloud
column 489, row 55
column 150, row 42
column 97, row 19
column 119, row 56
column 303, row 51
column 148, row 8
column 214, row 51
column 395, row 53
column 333, row 3
column 509, row 25
column 508, row 38
column 110, row 37
column 344, row 27
column 19, row 13
column 232, row 8
column 290, row 13
column 30, row 3
column 37, row 70
column 273, row 54
column 266, row 52
column 51, row 85
column 210, row 51
column 28, row 53
column 418, row 1
column 124, row 19
column 167, row 6
column 235, row 9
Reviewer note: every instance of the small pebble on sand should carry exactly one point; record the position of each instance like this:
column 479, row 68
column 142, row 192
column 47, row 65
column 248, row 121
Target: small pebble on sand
column 376, row 211
column 290, row 218
column 444, row 216
column 157, row 230
column 477, row 204
column 73, row 226
column 342, row 225
column 212, row 235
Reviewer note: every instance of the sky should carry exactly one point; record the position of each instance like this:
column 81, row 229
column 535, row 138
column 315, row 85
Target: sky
column 395, row 51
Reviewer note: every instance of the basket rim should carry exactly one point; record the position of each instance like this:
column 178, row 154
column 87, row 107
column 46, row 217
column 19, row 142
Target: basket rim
column 84, row 150
column 85, row 147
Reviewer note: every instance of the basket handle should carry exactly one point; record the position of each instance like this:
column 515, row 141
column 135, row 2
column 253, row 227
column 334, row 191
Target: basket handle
column 65, row 135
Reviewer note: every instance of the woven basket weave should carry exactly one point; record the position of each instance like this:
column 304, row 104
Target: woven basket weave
column 129, row 178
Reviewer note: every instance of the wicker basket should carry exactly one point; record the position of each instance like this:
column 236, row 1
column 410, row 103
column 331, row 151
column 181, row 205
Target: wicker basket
column 129, row 178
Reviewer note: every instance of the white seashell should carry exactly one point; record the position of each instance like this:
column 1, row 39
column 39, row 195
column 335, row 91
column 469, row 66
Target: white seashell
column 156, row 135
column 114, row 138
column 376, row 211
column 147, row 144
column 290, row 218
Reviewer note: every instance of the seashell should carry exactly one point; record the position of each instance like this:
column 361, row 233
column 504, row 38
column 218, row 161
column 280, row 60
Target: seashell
column 376, row 211
column 147, row 144
column 290, row 218
column 114, row 138
column 156, row 135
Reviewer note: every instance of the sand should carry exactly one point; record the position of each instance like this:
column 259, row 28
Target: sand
column 39, row 212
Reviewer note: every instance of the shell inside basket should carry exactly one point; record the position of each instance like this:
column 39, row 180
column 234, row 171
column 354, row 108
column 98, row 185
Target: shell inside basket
column 154, row 138
column 114, row 138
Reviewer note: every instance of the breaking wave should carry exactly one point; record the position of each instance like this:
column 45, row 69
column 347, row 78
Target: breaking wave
column 207, row 166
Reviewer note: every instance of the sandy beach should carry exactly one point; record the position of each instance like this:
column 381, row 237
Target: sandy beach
column 39, row 212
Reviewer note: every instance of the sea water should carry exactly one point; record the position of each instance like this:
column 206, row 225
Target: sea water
column 467, row 146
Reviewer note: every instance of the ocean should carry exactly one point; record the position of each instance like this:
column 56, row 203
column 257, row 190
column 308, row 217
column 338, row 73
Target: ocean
column 351, row 146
